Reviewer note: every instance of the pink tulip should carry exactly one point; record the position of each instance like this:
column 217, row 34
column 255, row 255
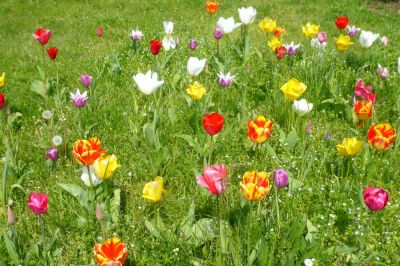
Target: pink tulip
column 322, row 36
column 214, row 178
column 364, row 91
column 375, row 198
column 38, row 203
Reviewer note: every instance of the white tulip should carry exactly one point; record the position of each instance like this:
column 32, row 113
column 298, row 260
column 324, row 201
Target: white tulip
column 367, row 38
column 302, row 107
column 168, row 42
column 94, row 180
column 315, row 43
column 195, row 66
column 227, row 25
column 147, row 83
column 168, row 27
column 247, row 15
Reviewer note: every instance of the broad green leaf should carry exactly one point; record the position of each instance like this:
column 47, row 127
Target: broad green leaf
column 291, row 139
column 39, row 87
column 41, row 73
column 115, row 206
column 76, row 191
column 11, row 248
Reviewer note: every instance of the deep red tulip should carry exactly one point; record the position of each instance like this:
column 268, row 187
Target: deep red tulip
column 42, row 35
column 213, row 123
column 2, row 100
column 52, row 52
column 38, row 203
column 155, row 47
column 280, row 52
column 99, row 31
column 342, row 22
column 375, row 198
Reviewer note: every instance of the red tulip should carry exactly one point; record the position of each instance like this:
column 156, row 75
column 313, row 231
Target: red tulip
column 2, row 100
column 342, row 22
column 42, row 35
column 38, row 203
column 213, row 123
column 375, row 198
column 52, row 52
column 99, row 31
column 280, row 52
column 155, row 47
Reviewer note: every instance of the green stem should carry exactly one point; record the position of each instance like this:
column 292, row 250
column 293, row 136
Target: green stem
column 277, row 208
column 41, row 223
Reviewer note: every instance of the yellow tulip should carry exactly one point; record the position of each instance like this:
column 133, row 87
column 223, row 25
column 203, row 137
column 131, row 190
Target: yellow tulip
column 196, row 91
column 343, row 42
column 310, row 30
column 267, row 25
column 2, row 80
column 349, row 147
column 274, row 43
column 105, row 166
column 293, row 89
column 153, row 190
column 255, row 185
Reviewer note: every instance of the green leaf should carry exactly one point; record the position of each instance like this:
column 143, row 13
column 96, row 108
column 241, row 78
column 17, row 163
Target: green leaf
column 311, row 229
column 76, row 191
column 294, row 184
column 115, row 206
column 41, row 73
column 187, row 222
column 11, row 248
column 202, row 231
column 153, row 229
column 291, row 139
column 39, row 87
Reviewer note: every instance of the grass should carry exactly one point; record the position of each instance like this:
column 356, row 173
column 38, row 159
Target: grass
column 320, row 202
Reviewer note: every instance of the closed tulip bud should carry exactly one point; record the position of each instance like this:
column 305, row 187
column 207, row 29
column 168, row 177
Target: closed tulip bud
column 86, row 80
column 192, row 44
column 99, row 31
column 281, row 178
column 10, row 216
column 309, row 127
column 52, row 154
column 375, row 198
column 2, row 100
column 218, row 33
column 52, row 52
column 99, row 212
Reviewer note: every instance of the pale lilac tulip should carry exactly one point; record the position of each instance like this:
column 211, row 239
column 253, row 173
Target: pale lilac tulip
column 79, row 99
column 382, row 72
column 352, row 31
column 225, row 80
column 291, row 49
column 136, row 35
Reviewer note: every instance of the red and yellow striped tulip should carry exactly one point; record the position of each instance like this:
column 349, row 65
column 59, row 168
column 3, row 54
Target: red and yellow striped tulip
column 381, row 136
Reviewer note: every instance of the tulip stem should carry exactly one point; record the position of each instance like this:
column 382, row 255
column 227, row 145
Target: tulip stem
column 362, row 243
column 277, row 208
column 41, row 222
column 210, row 147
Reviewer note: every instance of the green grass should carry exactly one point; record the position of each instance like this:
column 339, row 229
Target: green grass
column 117, row 113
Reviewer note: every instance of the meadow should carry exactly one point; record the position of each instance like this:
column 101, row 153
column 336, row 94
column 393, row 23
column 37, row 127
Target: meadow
column 140, row 166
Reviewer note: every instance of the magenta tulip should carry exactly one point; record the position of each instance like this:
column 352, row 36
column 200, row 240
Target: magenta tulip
column 214, row 178
column 38, row 203
column 281, row 178
column 375, row 198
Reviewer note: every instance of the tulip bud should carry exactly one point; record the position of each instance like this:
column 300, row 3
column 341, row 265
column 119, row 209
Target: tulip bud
column 10, row 216
column 99, row 212
column 52, row 154
column 322, row 37
column 309, row 127
column 218, row 33
column 281, row 178
column 2, row 100
column 99, row 31
column 86, row 80
column 192, row 44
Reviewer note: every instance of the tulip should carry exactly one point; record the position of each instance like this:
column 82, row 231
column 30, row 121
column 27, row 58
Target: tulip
column 227, row 25
column 281, row 178
column 259, row 130
column 280, row 52
column 93, row 179
column 293, row 89
column 99, row 212
column 367, row 38
column 111, row 253
column 310, row 30
column 38, row 203
column 2, row 100
column 86, row 80
column 42, row 35
column 247, row 15
column 267, row 25
column 384, row 40
column 2, row 80
column 213, row 123
column 147, row 83
column 342, row 22
column 343, row 42
column 315, row 43
column 279, row 31
column 218, row 34
column 196, row 91
column 104, row 166
column 363, row 110
column 382, row 72
column 212, row 7
column 274, row 43
column 136, row 35
column 52, row 154
column 192, row 44
column 214, row 179
column 79, row 99
column 375, row 198
column 255, row 185
column 291, row 49
column 364, row 91
column 153, row 190
column 349, row 146
column 195, row 66
column 322, row 37
column 52, row 52
column 86, row 152
column 10, row 216
column 168, row 42
column 99, row 31
column 352, row 31
column 155, row 47
column 381, row 136
column 302, row 107
column 225, row 80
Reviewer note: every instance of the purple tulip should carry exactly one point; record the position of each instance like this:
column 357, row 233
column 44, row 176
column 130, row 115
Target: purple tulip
column 291, row 48
column 322, row 37
column 86, row 80
column 192, row 44
column 225, row 80
column 79, row 99
column 218, row 33
column 52, row 154
column 382, row 72
column 281, row 178
column 352, row 31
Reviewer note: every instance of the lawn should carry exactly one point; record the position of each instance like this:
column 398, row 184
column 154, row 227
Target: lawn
column 320, row 217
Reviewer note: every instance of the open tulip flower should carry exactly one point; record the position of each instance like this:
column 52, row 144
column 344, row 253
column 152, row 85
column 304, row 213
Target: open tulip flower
column 79, row 99
column 153, row 190
column 227, row 25
column 352, row 31
column 280, row 52
column 302, row 107
column 225, row 80
column 213, row 123
column 342, row 22
column 111, row 253
column 195, row 66
column 274, row 43
column 367, row 38
column 267, row 25
column 105, row 166
column 375, row 198
column 291, row 49
column 279, row 31
column 364, row 92
column 86, row 152
column 349, row 147
column 259, row 130
column 363, row 110
column 42, row 35
column 168, row 42
column 255, row 185
column 136, row 35
column 214, row 179
column 381, row 136
column 196, row 91
column 38, row 203
column 293, row 89
column 147, row 83
column 310, row 30
column 247, row 15
column 2, row 80
column 382, row 72
column 343, row 42
column 212, row 7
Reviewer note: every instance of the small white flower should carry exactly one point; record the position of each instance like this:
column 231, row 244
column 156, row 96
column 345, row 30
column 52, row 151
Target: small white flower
column 47, row 114
column 227, row 25
column 247, row 15
column 367, row 38
column 94, row 180
column 57, row 140
column 195, row 66
column 302, row 107
column 147, row 83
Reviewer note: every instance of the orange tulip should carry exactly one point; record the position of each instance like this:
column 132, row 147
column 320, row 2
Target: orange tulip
column 86, row 152
column 363, row 110
column 381, row 136
column 112, row 252
column 259, row 130
column 212, row 6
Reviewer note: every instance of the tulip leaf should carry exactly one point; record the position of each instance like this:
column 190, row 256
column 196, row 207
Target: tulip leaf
column 41, row 73
column 115, row 206
column 291, row 139
column 187, row 222
column 11, row 248
column 39, row 87
column 153, row 229
column 294, row 184
column 76, row 191
column 311, row 230
column 202, row 231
